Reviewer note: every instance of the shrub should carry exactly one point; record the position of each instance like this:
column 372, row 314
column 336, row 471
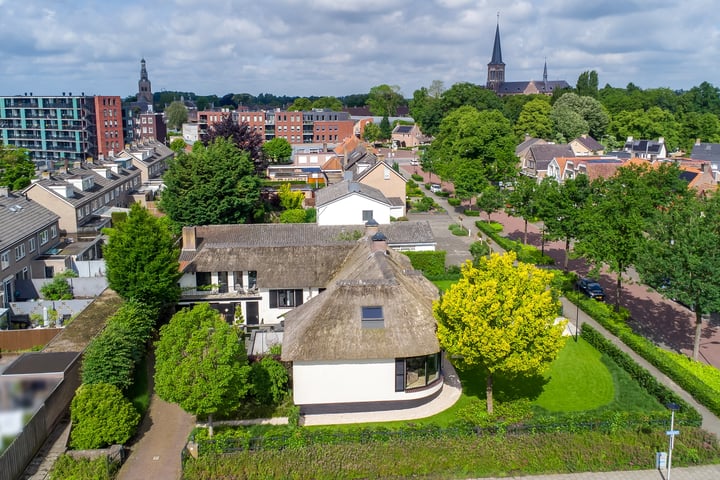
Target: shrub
column 294, row 215
column 417, row 177
column 489, row 228
column 479, row 249
column 101, row 416
column 58, row 288
column 310, row 215
column 525, row 253
column 458, row 230
column 269, row 381
column 431, row 263
column 424, row 204
column 472, row 213
column 67, row 467
column 454, row 202
column 110, row 358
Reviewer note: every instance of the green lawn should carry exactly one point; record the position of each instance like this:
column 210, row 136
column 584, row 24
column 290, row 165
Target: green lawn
column 443, row 285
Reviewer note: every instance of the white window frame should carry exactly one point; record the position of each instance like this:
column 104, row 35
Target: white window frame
column 5, row 260
column 31, row 242
column 53, row 231
column 19, row 252
column 44, row 237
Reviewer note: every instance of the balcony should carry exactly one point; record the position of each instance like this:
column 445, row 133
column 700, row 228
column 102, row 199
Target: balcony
column 218, row 292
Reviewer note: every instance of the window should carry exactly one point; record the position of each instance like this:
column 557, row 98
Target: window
column 53, row 231
column 4, row 260
column 43, row 237
column 32, row 244
column 19, row 252
column 286, row 298
column 367, row 215
column 416, row 372
column 372, row 317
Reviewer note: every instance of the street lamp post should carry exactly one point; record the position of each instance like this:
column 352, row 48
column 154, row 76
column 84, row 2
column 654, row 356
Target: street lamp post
column 671, row 433
column 577, row 321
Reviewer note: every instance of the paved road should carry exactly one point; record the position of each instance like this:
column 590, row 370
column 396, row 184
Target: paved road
column 707, row 472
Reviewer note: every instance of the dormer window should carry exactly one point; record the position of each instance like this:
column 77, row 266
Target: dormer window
column 372, row 317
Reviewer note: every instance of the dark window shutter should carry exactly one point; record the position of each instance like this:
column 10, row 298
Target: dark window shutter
column 298, row 298
column 273, row 298
column 399, row 374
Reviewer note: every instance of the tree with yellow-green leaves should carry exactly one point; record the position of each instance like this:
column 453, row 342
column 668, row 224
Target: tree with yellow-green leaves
column 500, row 318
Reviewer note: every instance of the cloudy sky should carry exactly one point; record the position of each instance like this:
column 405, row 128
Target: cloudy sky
column 340, row 47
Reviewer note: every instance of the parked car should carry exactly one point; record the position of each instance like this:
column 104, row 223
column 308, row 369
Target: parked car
column 435, row 188
column 414, row 162
column 591, row 288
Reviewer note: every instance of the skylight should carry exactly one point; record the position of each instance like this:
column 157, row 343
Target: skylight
column 372, row 317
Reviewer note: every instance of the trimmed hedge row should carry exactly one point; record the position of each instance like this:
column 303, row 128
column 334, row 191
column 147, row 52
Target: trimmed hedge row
column 702, row 382
column 233, row 439
column 687, row 415
column 431, row 263
column 525, row 253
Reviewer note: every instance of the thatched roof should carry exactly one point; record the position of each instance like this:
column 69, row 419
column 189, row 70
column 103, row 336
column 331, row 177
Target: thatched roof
column 329, row 326
column 299, row 255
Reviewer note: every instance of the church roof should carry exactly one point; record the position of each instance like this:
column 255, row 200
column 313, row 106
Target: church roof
column 497, row 51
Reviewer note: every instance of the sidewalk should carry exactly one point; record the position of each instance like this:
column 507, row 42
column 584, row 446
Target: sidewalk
column 706, row 472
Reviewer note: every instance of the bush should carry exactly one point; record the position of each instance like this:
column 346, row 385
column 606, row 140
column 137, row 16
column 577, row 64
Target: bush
column 57, row 289
column 479, row 249
column 431, row 263
column 67, row 467
column 269, row 381
column 417, row 177
column 310, row 215
column 454, row 202
column 294, row 215
column 424, row 204
column 458, row 230
column 525, row 253
column 472, row 213
column 489, row 228
column 101, row 416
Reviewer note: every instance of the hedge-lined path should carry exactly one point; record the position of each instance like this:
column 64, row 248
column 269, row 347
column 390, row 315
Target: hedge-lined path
column 156, row 452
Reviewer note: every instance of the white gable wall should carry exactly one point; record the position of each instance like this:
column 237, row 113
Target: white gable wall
column 350, row 382
column 348, row 211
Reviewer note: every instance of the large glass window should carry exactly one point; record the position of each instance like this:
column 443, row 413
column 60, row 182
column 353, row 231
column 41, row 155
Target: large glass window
column 417, row 371
column 286, row 298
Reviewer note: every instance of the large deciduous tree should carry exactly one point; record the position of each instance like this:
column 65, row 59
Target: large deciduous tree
column 16, row 168
column 142, row 260
column 241, row 135
column 534, row 119
column 681, row 256
column 467, row 134
column 214, row 184
column 384, row 100
column 277, row 150
column 614, row 226
column 176, row 114
column 523, row 200
column 570, row 108
column 500, row 318
column 201, row 363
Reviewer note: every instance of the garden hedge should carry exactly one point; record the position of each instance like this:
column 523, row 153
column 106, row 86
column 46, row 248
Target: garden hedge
column 431, row 263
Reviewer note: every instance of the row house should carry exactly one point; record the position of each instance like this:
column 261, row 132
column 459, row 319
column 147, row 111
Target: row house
column 254, row 274
column 83, row 195
column 150, row 157
column 27, row 229
column 565, row 168
column 647, row 149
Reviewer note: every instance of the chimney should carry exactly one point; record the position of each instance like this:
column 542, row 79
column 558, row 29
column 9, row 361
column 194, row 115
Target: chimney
column 371, row 227
column 189, row 240
column 379, row 243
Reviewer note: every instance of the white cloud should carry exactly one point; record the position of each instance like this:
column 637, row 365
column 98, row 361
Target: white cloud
column 331, row 47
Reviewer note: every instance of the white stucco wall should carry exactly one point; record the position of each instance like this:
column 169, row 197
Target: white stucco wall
column 349, row 382
column 348, row 211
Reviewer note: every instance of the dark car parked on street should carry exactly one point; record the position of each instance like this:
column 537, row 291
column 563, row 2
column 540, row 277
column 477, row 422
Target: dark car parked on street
column 591, row 288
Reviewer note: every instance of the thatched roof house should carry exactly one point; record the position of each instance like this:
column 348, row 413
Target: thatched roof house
column 369, row 337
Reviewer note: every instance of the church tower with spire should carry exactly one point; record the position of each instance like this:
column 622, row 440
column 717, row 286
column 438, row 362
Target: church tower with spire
column 144, row 89
column 496, row 67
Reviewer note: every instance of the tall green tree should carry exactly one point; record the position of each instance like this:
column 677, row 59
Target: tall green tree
column 534, row 119
column 142, row 260
column 466, row 94
column 500, row 318
column 300, row 104
column 561, row 207
column 614, row 225
column 681, row 256
column 426, row 110
column 277, row 150
column 385, row 129
column 371, row 132
column 570, row 106
column 523, row 201
column 332, row 103
column 211, row 185
column 467, row 134
column 490, row 200
column 587, row 84
column 201, row 363
column 384, row 100
column 176, row 114
column 16, row 168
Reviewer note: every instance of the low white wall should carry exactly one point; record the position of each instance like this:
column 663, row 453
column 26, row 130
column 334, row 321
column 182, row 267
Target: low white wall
column 349, row 382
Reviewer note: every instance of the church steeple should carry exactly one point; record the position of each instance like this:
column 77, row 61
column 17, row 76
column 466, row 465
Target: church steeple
column 496, row 67
column 144, row 87
column 545, row 84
